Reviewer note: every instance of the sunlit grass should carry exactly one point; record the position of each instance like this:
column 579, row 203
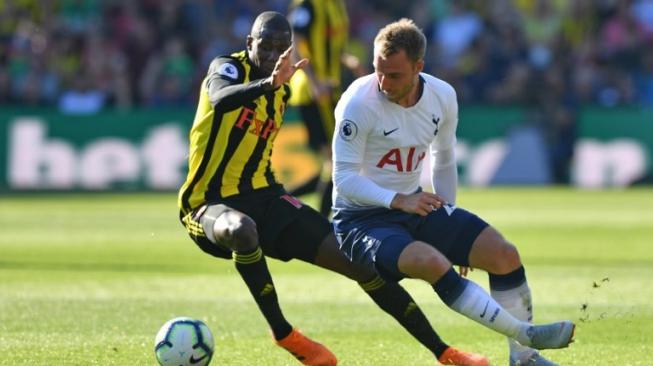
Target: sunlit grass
column 88, row 280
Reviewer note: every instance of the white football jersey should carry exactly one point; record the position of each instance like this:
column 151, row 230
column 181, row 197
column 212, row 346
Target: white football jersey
column 390, row 142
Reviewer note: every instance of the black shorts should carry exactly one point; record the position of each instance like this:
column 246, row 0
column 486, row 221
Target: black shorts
column 376, row 237
column 287, row 228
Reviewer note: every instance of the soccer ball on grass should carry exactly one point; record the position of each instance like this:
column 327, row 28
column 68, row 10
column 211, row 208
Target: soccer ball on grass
column 184, row 341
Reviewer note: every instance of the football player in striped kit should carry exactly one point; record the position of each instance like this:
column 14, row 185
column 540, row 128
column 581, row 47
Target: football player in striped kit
column 233, row 207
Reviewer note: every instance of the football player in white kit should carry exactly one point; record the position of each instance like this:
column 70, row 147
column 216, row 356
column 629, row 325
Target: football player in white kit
column 386, row 123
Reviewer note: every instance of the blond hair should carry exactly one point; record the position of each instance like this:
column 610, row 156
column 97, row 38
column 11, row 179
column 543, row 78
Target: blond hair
column 401, row 35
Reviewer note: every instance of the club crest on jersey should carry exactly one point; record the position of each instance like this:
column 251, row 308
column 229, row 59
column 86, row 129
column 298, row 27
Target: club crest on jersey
column 228, row 70
column 436, row 122
column 348, row 130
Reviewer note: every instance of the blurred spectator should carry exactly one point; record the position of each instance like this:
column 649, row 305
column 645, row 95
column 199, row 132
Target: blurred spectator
column 644, row 79
column 561, row 134
column 554, row 110
column 579, row 22
column 5, row 87
column 78, row 16
column 107, row 66
column 168, row 76
column 82, row 98
column 152, row 52
column 643, row 12
column 621, row 37
column 456, row 32
column 542, row 28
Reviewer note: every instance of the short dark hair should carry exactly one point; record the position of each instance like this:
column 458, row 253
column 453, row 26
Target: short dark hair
column 272, row 20
column 401, row 35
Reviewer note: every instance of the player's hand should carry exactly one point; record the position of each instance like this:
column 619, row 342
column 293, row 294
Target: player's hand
column 421, row 203
column 285, row 69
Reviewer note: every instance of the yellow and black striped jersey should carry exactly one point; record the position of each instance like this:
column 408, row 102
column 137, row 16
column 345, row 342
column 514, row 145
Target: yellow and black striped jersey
column 324, row 27
column 237, row 120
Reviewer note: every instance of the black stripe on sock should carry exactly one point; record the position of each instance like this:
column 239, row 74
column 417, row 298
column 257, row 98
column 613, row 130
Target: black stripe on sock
column 508, row 281
column 450, row 286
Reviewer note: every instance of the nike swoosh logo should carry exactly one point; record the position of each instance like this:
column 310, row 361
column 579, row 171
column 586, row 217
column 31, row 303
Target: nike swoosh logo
column 194, row 360
column 484, row 310
column 386, row 133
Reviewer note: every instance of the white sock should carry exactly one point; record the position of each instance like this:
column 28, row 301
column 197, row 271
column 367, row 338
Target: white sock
column 518, row 302
column 477, row 305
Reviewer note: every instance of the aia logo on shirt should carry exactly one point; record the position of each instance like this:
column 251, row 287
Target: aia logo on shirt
column 408, row 163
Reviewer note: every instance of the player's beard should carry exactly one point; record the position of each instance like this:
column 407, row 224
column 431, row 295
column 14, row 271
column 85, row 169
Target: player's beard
column 399, row 95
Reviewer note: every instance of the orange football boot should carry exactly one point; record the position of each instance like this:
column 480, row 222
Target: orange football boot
column 307, row 351
column 452, row 356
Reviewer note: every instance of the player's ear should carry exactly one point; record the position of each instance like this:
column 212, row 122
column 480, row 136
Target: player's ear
column 419, row 65
column 250, row 39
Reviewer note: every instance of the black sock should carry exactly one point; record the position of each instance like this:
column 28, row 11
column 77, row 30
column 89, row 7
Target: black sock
column 450, row 286
column 254, row 271
column 508, row 281
column 396, row 301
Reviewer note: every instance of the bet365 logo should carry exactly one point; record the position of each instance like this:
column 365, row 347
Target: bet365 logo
column 395, row 158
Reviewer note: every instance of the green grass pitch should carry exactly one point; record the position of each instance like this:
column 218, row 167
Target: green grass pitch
column 89, row 279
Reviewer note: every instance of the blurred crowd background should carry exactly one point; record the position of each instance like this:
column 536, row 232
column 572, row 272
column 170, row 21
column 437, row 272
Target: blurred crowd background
column 87, row 55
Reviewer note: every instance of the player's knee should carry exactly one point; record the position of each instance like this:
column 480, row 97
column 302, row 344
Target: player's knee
column 422, row 258
column 243, row 235
column 493, row 253
column 238, row 232
column 429, row 261
column 506, row 257
column 509, row 257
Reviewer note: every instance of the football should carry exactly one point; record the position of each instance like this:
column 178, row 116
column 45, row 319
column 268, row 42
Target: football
column 184, row 341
